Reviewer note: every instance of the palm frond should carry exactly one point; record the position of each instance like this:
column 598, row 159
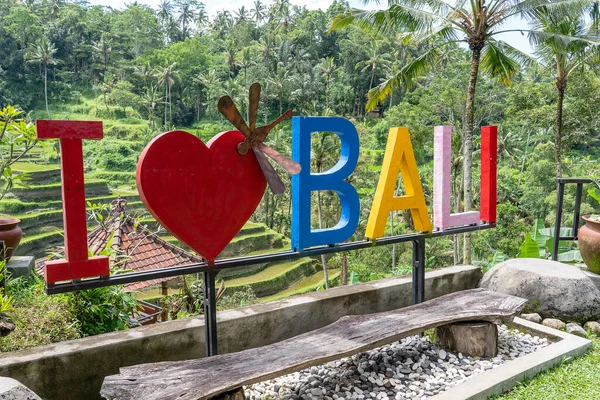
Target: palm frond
column 529, row 8
column 539, row 37
column 396, row 17
column 445, row 32
column 502, row 61
column 407, row 76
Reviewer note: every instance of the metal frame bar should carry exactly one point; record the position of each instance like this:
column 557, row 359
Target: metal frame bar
column 289, row 255
column 210, row 312
column 418, row 272
column 560, row 196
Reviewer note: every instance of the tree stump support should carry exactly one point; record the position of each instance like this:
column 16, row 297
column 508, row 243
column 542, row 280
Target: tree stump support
column 472, row 339
column 235, row 394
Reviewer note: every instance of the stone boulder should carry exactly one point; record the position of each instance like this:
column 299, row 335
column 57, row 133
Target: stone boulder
column 11, row 389
column 554, row 290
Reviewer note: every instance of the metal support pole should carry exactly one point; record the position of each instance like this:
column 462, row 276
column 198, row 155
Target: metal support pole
column 577, row 212
column 210, row 312
column 418, row 272
column 558, row 221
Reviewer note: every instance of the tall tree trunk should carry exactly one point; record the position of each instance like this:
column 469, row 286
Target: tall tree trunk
column 170, row 106
column 344, row 269
column 280, row 103
column 561, row 86
column 323, row 261
column 468, row 142
column 372, row 76
column 46, row 88
column 166, row 102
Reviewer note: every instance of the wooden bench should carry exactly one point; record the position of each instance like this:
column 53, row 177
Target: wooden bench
column 209, row 377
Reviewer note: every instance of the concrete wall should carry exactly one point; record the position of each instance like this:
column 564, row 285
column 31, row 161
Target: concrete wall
column 76, row 369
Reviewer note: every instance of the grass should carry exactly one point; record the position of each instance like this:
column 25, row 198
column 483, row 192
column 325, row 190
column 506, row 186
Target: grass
column 309, row 284
column 29, row 167
column 264, row 275
column 575, row 380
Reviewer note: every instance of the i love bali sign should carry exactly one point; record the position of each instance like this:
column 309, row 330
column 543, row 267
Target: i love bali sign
column 203, row 193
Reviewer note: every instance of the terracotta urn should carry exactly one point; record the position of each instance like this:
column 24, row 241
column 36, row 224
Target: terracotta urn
column 10, row 234
column 589, row 242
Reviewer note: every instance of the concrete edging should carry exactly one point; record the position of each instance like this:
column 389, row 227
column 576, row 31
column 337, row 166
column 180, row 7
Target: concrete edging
column 505, row 377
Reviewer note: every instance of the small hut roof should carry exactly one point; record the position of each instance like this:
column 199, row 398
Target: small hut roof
column 135, row 247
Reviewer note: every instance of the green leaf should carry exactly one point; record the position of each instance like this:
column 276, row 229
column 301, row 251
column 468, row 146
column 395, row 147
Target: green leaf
column 373, row 277
column 595, row 194
column 541, row 239
column 529, row 248
column 498, row 258
column 550, row 231
column 571, row 256
column 353, row 279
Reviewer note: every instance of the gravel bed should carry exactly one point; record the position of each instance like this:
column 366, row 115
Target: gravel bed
column 414, row 368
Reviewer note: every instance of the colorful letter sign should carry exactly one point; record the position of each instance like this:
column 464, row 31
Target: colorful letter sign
column 442, row 181
column 76, row 264
column 399, row 158
column 489, row 155
column 442, row 218
column 202, row 194
column 304, row 183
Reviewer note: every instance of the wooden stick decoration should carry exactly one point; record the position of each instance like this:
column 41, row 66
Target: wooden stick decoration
column 256, row 136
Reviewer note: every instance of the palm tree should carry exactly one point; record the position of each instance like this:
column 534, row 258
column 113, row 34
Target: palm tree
column 327, row 68
column 241, row 15
column 245, row 63
column 145, row 72
column 165, row 11
column 43, row 53
column 445, row 23
column 324, row 147
column 280, row 12
column 103, row 47
column 375, row 59
column 212, row 84
column 187, row 15
column 151, row 98
column 279, row 84
column 202, row 16
column 167, row 76
column 221, row 24
column 564, row 54
column 258, row 12
column 230, row 53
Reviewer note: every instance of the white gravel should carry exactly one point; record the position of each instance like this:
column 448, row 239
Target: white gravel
column 414, row 368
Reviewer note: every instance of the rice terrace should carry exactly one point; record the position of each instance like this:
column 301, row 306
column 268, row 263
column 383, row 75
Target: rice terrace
column 290, row 199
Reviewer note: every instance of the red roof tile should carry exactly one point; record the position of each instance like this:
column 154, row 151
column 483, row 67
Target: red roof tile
column 138, row 248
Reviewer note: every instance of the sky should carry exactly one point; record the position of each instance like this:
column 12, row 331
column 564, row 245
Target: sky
column 515, row 39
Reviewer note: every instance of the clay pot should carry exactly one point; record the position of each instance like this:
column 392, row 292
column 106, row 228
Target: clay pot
column 588, row 238
column 10, row 234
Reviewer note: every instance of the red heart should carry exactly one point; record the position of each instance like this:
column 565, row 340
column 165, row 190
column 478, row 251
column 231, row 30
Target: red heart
column 202, row 194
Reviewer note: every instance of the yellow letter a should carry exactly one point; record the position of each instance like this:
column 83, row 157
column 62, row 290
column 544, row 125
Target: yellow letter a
column 399, row 158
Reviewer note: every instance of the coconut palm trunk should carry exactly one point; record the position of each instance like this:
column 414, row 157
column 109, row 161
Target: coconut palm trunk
column 46, row 88
column 561, row 86
column 468, row 141
column 323, row 260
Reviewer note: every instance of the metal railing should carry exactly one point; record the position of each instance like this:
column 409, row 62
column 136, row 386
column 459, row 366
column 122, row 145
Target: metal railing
column 210, row 270
column 560, row 195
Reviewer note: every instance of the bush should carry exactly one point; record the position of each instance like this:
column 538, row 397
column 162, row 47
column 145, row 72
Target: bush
column 40, row 319
column 241, row 298
column 103, row 310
